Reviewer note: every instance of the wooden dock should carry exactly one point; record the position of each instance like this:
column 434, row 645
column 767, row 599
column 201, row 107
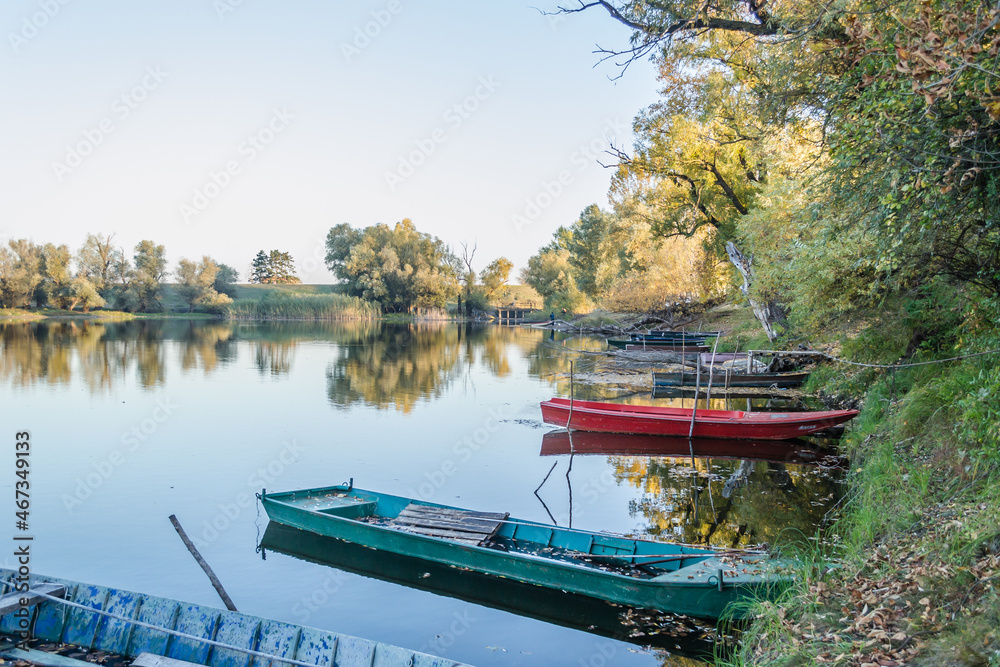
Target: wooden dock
column 512, row 314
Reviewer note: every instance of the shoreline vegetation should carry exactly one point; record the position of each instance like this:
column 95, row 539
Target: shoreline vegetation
column 261, row 302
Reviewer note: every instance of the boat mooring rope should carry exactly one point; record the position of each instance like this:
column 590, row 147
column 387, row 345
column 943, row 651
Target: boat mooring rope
column 917, row 363
column 182, row 635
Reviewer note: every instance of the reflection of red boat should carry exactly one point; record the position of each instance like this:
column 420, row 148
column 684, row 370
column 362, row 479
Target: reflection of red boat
column 620, row 418
column 623, row 444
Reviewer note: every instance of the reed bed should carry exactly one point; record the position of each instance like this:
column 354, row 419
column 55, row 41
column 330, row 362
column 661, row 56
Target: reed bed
column 277, row 306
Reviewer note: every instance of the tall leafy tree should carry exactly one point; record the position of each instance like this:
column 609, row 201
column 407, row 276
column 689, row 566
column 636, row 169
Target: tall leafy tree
column 96, row 261
column 196, row 284
column 260, row 269
column 273, row 268
column 82, row 292
column 55, row 287
column 598, row 246
column 282, row 268
column 143, row 282
column 550, row 273
column 20, row 273
column 225, row 280
column 397, row 267
column 495, row 276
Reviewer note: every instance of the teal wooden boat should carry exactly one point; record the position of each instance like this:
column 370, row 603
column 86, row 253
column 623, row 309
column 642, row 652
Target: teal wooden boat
column 678, row 579
column 679, row 635
column 147, row 627
column 658, row 345
column 724, row 378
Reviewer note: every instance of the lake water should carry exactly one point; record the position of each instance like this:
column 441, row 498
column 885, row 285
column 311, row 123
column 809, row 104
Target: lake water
column 132, row 422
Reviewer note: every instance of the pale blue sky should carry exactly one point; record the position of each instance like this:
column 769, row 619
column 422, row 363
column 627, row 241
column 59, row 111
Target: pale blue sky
column 315, row 126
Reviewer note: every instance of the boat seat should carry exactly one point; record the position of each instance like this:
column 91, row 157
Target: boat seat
column 13, row 601
column 457, row 525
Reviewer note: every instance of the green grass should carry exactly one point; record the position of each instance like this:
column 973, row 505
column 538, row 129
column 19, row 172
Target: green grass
column 276, row 305
column 19, row 314
column 260, row 291
column 923, row 490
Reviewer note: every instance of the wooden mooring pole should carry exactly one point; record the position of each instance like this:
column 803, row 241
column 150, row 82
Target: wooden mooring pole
column 201, row 561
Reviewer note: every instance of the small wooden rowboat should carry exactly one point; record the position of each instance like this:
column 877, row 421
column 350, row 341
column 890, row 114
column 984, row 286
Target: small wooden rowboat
column 658, row 345
column 675, row 335
column 721, row 378
column 718, row 358
column 620, row 418
column 580, row 612
column 679, row 579
column 556, row 443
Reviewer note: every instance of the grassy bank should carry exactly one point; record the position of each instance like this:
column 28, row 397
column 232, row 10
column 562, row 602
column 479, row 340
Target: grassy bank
column 49, row 313
column 908, row 571
column 292, row 306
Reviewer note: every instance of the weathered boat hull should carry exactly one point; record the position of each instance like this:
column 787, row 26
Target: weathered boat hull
column 620, row 418
column 580, row 612
column 579, row 443
column 695, row 582
column 55, row 622
column 722, row 379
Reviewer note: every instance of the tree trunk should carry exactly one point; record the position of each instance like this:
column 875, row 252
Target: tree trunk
column 768, row 313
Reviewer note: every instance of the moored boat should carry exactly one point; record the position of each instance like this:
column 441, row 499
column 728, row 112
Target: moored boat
column 719, row 358
column 660, row 345
column 681, row 636
column 621, row 418
column 675, row 335
column 724, row 377
column 680, row 579
column 124, row 623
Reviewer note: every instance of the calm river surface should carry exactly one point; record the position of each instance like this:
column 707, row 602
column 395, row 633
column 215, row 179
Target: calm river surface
column 131, row 422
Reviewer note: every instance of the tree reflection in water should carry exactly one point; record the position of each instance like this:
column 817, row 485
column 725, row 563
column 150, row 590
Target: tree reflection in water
column 727, row 503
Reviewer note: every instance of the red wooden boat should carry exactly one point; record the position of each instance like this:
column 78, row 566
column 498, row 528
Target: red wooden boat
column 558, row 443
column 619, row 418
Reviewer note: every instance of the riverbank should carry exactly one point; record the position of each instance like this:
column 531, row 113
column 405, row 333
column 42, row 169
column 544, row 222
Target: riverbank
column 906, row 571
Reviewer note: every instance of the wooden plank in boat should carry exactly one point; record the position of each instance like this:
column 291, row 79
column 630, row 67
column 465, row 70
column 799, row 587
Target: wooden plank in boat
column 464, row 538
column 472, row 529
column 444, row 529
column 450, row 524
column 474, row 525
column 449, row 511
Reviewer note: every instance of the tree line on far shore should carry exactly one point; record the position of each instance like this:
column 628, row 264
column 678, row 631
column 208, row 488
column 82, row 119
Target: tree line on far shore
column 396, row 268
column 401, row 268
column 100, row 274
